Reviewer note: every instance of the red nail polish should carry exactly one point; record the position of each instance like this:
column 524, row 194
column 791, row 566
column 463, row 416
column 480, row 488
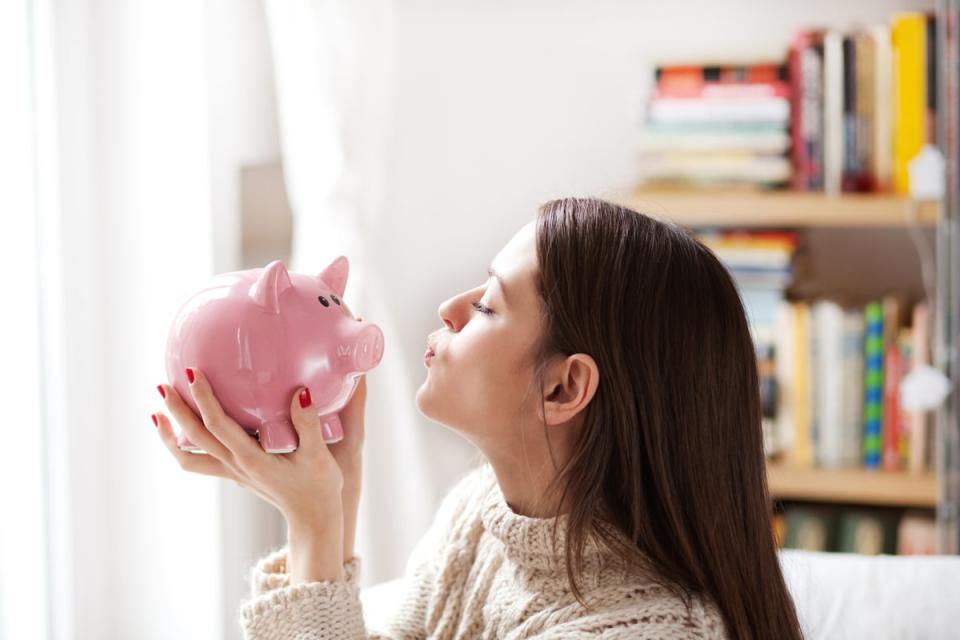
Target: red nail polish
column 190, row 375
column 163, row 394
column 154, row 418
column 305, row 398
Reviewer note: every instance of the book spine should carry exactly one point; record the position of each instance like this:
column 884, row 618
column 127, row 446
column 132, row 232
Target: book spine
column 890, row 424
column 918, row 419
column 873, row 385
column 908, row 38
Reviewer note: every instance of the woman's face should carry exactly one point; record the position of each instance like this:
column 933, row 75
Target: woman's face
column 479, row 378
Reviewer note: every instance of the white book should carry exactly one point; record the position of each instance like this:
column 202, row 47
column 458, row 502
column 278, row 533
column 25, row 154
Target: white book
column 832, row 111
column 828, row 322
column 774, row 110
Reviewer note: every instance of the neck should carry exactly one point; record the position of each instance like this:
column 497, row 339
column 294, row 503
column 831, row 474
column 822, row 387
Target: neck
column 524, row 485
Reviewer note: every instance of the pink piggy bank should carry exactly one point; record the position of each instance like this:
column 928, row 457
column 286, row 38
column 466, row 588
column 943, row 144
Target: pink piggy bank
column 261, row 333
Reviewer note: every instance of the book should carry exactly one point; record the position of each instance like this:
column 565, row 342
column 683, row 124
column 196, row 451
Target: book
column 867, row 532
column 833, row 138
column 810, row 528
column 806, row 113
column 882, row 131
column 917, row 534
column 917, row 420
column 873, row 385
column 908, row 36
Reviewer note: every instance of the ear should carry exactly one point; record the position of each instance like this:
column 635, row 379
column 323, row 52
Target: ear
column 335, row 275
column 272, row 281
column 569, row 385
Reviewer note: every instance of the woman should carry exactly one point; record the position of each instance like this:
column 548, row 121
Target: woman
column 605, row 371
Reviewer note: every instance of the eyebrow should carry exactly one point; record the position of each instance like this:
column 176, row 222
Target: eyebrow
column 493, row 273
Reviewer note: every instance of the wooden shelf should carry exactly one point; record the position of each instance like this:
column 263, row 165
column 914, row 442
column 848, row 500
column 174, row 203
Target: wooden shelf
column 778, row 208
column 858, row 486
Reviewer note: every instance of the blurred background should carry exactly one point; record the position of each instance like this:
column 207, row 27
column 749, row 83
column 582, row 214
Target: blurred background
column 145, row 146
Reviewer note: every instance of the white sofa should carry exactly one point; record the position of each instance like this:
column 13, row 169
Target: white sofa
column 838, row 595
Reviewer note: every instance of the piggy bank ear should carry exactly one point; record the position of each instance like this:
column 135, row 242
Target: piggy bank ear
column 272, row 281
column 335, row 275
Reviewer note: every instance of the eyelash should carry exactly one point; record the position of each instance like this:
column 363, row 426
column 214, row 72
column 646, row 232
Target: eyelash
column 481, row 308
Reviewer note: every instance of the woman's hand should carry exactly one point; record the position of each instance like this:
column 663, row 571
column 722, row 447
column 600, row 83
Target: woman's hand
column 305, row 485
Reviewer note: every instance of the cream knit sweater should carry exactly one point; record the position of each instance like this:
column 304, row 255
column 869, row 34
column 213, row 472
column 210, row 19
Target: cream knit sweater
column 480, row 571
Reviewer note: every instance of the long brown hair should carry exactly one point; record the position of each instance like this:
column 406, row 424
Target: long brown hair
column 671, row 453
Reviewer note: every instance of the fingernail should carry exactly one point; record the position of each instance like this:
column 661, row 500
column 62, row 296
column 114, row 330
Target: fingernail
column 190, row 375
column 163, row 394
column 305, row 398
column 153, row 416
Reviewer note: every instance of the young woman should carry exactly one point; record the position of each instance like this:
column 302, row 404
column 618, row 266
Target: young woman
column 606, row 373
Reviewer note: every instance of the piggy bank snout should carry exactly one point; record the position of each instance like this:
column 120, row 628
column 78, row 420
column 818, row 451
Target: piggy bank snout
column 369, row 348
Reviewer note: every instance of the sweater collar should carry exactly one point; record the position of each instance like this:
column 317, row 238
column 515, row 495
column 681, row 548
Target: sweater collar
column 528, row 540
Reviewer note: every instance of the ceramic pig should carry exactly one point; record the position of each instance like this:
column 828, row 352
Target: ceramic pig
column 259, row 334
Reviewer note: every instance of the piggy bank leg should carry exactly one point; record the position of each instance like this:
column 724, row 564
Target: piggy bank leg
column 332, row 428
column 183, row 442
column 278, row 437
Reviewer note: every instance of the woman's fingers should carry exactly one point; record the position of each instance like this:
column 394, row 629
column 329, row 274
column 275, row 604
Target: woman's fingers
column 245, row 449
column 194, row 428
column 194, row 462
column 306, row 421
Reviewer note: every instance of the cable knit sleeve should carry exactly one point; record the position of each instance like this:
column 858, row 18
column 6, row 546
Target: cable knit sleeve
column 327, row 610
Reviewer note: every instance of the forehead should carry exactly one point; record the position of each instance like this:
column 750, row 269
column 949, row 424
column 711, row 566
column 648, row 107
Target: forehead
column 517, row 261
column 520, row 252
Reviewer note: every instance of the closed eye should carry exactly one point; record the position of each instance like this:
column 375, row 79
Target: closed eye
column 481, row 308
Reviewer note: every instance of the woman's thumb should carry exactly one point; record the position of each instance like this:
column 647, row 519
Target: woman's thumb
column 305, row 419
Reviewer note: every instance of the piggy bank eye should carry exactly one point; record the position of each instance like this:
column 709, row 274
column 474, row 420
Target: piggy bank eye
column 335, row 299
column 323, row 301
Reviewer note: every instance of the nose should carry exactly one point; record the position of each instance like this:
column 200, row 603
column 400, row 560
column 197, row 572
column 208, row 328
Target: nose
column 453, row 312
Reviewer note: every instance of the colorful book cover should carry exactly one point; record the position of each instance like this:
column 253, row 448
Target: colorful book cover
column 891, row 420
column 873, row 385
column 908, row 37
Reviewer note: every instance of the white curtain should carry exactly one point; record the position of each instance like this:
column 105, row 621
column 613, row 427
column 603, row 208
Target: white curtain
column 333, row 65
column 105, row 225
column 23, row 562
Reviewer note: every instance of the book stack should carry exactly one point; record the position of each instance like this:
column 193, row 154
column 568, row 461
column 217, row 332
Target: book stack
column 863, row 104
column 838, row 373
column 717, row 126
column 845, row 112
column 760, row 263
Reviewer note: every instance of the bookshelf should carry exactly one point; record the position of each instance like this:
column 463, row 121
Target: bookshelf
column 807, row 211
column 780, row 208
column 852, row 486
column 848, row 120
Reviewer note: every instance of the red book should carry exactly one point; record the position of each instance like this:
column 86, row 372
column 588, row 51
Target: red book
column 722, row 82
column 892, row 423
